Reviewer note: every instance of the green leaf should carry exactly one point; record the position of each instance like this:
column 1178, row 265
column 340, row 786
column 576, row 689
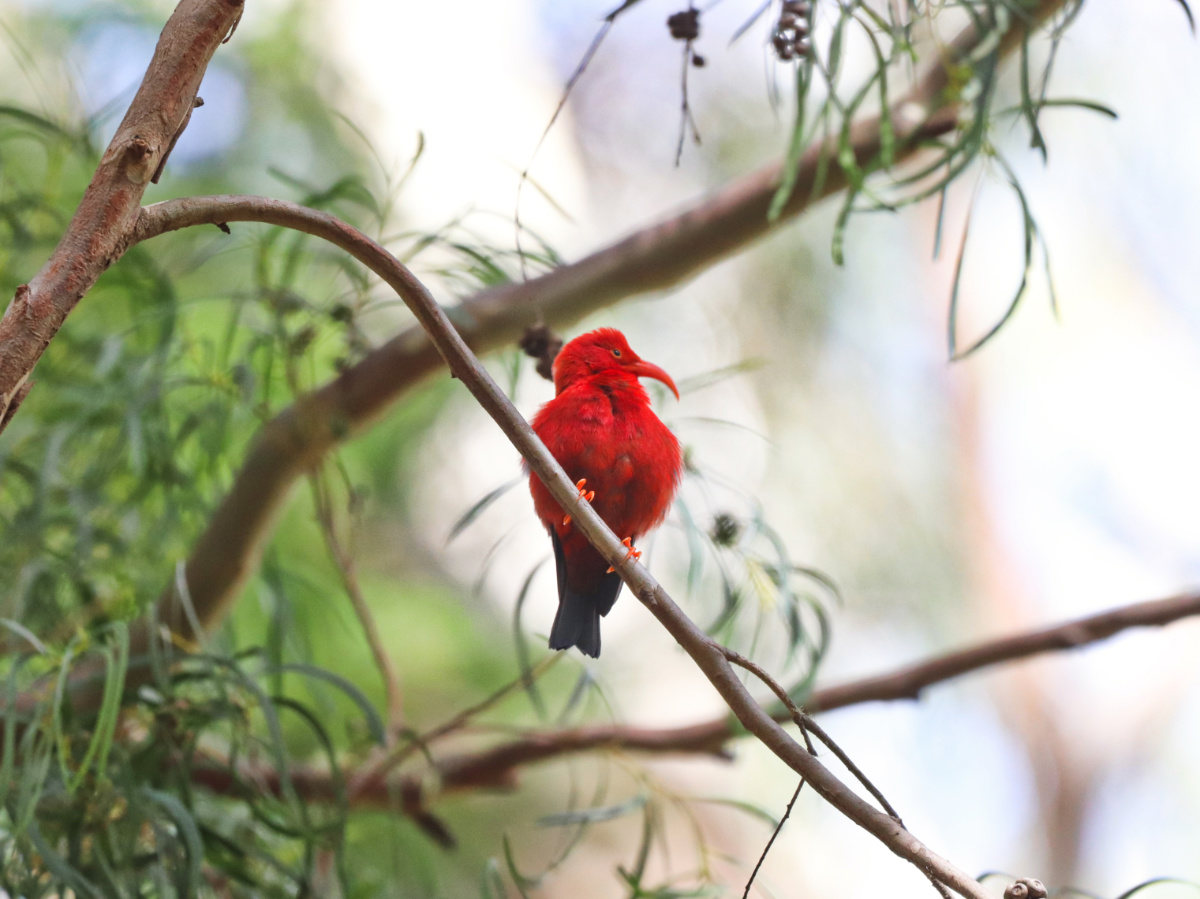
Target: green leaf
column 795, row 153
column 1187, row 11
column 528, row 679
column 1069, row 103
column 7, row 765
column 480, row 507
column 275, row 743
column 374, row 722
column 44, row 125
column 839, row 228
column 1030, row 238
column 952, row 317
column 649, row 827
column 60, row 868
column 185, row 824
column 56, row 726
column 24, row 633
column 717, row 375
column 695, row 544
column 519, row 879
column 115, row 665
column 1128, row 894
column 593, row 815
column 583, row 684
column 492, row 883
column 748, row 808
column 1029, row 107
column 620, row 9
column 754, row 17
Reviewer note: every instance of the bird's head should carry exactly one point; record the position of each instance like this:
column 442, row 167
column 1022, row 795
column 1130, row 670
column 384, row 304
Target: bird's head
column 601, row 351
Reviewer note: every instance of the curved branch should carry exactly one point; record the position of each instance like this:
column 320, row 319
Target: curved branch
column 99, row 232
column 709, row 656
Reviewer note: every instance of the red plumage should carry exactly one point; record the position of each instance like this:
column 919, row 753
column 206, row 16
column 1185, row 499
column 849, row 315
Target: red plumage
column 601, row 428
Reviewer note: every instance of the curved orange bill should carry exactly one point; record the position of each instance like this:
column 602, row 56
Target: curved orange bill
column 645, row 369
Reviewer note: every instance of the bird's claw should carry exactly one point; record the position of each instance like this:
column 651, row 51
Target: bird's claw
column 634, row 553
column 585, row 495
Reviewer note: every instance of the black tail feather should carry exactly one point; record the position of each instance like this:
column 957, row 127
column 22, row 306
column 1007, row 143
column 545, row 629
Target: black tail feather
column 577, row 622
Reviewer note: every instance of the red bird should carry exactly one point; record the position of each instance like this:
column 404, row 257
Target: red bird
column 624, row 461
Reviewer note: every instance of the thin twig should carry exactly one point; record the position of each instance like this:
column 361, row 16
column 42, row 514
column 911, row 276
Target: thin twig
column 845, row 759
column 580, row 68
column 376, row 769
column 686, row 120
column 771, row 842
column 798, row 716
column 343, row 560
column 806, row 724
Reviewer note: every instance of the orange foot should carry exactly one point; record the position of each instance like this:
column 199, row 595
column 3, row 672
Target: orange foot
column 587, row 495
column 633, row 553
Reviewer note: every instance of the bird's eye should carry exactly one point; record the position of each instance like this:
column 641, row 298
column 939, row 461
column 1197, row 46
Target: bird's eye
column 617, row 353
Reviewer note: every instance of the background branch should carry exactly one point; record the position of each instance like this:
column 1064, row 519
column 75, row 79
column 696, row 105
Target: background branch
column 496, row 767
column 710, row 737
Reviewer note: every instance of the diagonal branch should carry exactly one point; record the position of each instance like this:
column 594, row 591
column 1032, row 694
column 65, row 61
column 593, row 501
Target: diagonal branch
column 709, row 656
column 99, row 232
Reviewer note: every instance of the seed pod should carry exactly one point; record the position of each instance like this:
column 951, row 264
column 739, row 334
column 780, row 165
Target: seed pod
column 685, row 25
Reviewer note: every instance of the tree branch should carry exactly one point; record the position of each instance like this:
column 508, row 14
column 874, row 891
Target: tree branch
column 497, row 764
column 100, row 230
column 709, row 656
column 496, row 768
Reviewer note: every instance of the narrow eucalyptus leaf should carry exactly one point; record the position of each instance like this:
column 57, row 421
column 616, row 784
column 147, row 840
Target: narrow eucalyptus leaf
column 374, row 721
column 1133, row 891
column 593, row 815
column 185, row 825
column 1187, row 11
column 60, row 868
column 480, row 507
